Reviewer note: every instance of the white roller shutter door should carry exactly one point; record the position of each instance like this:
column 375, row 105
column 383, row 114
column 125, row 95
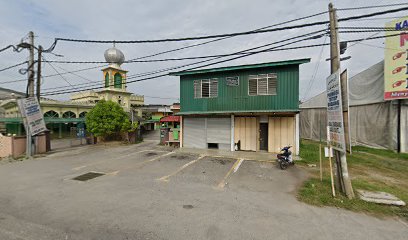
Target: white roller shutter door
column 219, row 131
column 194, row 133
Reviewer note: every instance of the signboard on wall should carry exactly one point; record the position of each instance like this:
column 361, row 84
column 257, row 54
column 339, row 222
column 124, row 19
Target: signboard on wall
column 232, row 81
column 30, row 109
column 335, row 112
column 396, row 60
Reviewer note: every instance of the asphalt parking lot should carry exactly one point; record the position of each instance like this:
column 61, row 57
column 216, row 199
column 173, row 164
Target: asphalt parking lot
column 153, row 192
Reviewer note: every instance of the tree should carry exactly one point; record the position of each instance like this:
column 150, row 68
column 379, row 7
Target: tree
column 106, row 119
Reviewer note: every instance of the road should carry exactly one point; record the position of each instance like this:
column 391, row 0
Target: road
column 154, row 192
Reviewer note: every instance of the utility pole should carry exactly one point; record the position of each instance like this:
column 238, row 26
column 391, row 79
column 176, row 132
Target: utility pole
column 39, row 72
column 31, row 65
column 342, row 169
column 30, row 90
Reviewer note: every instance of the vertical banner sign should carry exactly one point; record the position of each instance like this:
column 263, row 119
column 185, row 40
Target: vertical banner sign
column 30, row 109
column 396, row 61
column 335, row 112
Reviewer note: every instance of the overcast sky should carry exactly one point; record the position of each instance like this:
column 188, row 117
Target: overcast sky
column 140, row 20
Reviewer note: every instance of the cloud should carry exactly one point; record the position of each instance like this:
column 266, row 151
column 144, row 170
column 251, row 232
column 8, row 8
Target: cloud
column 129, row 19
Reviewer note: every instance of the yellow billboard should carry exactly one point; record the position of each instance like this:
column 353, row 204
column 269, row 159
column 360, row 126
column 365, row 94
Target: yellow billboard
column 396, row 60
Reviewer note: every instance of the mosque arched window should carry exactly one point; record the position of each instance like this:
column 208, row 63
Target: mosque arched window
column 107, row 80
column 51, row 114
column 69, row 114
column 118, row 80
column 82, row 114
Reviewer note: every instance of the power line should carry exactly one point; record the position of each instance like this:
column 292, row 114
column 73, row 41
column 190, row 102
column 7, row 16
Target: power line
column 365, row 29
column 215, row 40
column 267, row 50
column 344, row 19
column 161, row 97
column 58, row 73
column 372, row 14
column 311, row 81
column 229, row 34
column 7, row 47
column 384, row 18
column 13, row 66
column 166, row 74
column 77, row 75
column 310, row 35
column 177, row 59
column 369, row 7
column 182, row 48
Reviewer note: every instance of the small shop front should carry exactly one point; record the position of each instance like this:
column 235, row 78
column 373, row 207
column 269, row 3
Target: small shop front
column 241, row 132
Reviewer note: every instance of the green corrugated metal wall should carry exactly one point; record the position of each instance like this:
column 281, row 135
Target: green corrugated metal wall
column 237, row 98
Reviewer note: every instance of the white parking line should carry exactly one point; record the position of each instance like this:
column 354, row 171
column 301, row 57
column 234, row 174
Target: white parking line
column 234, row 169
column 166, row 178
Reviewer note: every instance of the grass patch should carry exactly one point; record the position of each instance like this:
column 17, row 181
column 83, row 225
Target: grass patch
column 370, row 169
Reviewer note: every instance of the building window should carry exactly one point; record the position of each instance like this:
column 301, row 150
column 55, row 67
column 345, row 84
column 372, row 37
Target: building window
column 262, row 84
column 107, row 80
column 207, row 88
column 69, row 114
column 51, row 114
column 118, row 80
column 82, row 114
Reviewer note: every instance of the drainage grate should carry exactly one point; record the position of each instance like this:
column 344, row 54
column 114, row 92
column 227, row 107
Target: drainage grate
column 88, row 176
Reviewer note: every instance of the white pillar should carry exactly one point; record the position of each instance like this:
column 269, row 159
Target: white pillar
column 297, row 135
column 403, row 125
column 232, row 133
column 181, row 132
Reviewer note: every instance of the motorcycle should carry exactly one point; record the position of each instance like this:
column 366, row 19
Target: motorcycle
column 285, row 158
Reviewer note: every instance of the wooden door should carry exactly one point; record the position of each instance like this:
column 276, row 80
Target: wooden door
column 245, row 131
column 281, row 133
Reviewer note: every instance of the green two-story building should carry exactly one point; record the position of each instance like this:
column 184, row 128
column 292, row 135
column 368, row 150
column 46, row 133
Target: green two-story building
column 249, row 107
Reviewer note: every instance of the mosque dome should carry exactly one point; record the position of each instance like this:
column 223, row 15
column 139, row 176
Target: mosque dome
column 114, row 56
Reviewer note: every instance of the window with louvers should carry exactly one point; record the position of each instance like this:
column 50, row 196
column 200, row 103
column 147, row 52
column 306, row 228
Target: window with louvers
column 262, row 84
column 197, row 89
column 252, row 85
column 207, row 88
column 213, row 88
column 272, row 84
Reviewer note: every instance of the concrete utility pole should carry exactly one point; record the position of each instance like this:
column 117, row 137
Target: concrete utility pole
column 30, row 89
column 342, row 170
column 39, row 73
column 31, row 65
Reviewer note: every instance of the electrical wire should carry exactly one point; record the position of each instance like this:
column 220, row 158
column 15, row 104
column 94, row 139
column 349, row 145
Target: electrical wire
column 77, row 75
column 311, row 81
column 369, row 7
column 366, row 29
column 225, row 35
column 311, row 35
column 161, row 97
column 179, row 59
column 166, row 74
column 7, row 47
column 58, row 73
column 194, row 45
column 219, row 39
column 252, row 53
column 13, row 66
